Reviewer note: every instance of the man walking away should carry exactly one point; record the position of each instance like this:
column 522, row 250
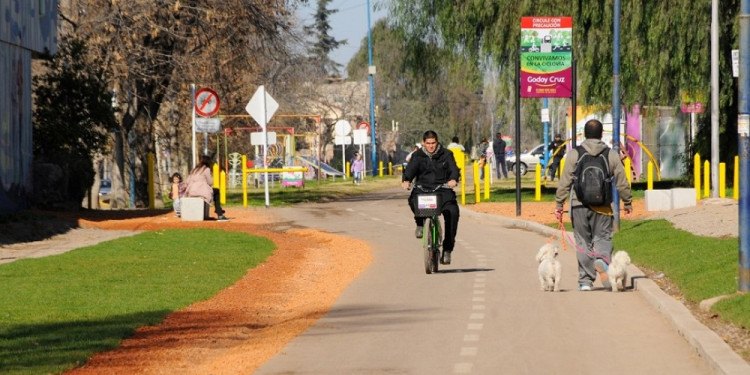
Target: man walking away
column 498, row 148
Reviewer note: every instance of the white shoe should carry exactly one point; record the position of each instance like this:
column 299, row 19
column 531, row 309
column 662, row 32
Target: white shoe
column 584, row 288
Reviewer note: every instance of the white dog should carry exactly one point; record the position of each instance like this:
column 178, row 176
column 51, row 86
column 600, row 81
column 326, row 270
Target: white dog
column 618, row 270
column 550, row 269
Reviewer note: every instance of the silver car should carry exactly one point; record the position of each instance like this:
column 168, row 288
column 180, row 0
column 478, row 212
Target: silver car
column 529, row 159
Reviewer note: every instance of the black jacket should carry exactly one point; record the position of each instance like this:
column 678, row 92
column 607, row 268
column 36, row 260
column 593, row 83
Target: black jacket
column 432, row 170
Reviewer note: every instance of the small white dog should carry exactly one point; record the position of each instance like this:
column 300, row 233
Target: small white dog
column 550, row 269
column 618, row 270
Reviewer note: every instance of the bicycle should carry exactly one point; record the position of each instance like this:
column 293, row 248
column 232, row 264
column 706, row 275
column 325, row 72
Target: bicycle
column 428, row 206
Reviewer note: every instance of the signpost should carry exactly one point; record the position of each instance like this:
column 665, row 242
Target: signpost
column 206, row 104
column 341, row 129
column 261, row 108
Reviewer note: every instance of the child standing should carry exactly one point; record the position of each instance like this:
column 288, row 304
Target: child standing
column 176, row 192
column 358, row 166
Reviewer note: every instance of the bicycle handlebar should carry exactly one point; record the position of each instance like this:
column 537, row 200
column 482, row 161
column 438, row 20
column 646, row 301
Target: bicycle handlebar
column 422, row 189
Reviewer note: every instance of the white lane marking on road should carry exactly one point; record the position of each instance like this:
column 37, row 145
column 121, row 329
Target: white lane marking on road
column 477, row 299
column 477, row 307
column 475, row 326
column 478, row 291
column 479, row 285
column 469, row 351
column 476, row 316
column 471, row 337
column 462, row 368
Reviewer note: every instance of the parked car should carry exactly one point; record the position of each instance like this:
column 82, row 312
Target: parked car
column 105, row 188
column 529, row 159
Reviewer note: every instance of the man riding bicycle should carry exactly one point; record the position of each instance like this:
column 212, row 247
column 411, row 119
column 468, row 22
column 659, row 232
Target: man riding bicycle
column 430, row 167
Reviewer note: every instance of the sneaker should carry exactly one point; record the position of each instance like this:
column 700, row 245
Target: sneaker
column 601, row 267
column 222, row 218
column 584, row 288
column 446, row 258
column 418, row 231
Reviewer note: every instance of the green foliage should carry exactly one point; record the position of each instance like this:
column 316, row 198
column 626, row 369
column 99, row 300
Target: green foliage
column 55, row 312
column 324, row 43
column 701, row 267
column 73, row 111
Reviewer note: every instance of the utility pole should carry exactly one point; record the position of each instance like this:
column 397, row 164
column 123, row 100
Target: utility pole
column 715, row 98
column 616, row 110
column 743, row 147
column 371, row 71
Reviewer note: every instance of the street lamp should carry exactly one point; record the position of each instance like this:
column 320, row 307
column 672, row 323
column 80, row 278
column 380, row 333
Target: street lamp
column 371, row 73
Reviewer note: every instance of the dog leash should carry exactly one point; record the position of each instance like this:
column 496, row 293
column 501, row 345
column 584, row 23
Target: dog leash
column 564, row 235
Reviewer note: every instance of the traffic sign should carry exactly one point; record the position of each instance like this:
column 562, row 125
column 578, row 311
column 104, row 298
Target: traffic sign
column 261, row 106
column 342, row 128
column 207, row 125
column 206, row 102
column 364, row 125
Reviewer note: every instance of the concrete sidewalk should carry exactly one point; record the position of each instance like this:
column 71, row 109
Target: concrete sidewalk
column 706, row 342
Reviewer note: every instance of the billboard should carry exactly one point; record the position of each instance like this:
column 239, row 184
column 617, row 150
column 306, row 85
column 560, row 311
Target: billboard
column 546, row 57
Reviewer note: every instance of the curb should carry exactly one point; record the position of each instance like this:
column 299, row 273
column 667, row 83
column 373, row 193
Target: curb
column 717, row 353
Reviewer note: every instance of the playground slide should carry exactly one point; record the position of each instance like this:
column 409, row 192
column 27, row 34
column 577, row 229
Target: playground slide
column 327, row 169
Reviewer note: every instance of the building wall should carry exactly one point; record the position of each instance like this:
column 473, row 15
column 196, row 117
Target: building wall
column 27, row 27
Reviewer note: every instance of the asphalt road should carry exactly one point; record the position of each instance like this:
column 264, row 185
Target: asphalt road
column 483, row 314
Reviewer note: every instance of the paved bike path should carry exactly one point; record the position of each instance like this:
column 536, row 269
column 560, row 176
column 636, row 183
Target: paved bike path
column 484, row 314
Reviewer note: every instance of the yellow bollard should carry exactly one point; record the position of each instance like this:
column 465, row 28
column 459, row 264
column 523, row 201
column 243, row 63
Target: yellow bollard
column 650, row 176
column 380, row 168
column 223, row 187
column 390, row 168
column 151, row 193
column 697, row 175
column 487, row 181
column 736, row 181
column 347, row 168
column 215, row 171
column 244, row 180
column 722, row 180
column 476, row 182
column 562, row 166
column 628, row 173
column 538, row 182
column 706, row 178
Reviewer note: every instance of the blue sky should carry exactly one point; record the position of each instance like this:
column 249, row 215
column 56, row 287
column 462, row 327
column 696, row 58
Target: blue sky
column 350, row 23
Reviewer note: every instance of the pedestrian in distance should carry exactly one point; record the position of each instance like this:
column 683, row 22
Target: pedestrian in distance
column 430, row 167
column 592, row 222
column 498, row 148
column 358, row 167
column 200, row 183
column 482, row 151
column 455, row 145
column 554, row 167
column 176, row 192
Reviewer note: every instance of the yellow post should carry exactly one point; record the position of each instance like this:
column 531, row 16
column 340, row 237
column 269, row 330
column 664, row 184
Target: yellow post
column 697, row 175
column 736, row 186
column 486, row 181
column 151, row 194
column 562, row 166
column 706, row 178
column 346, row 170
column 390, row 168
column 244, row 180
column 538, row 182
column 380, row 168
column 476, row 182
column 223, row 187
column 722, row 180
column 650, row 176
column 628, row 173
column 215, row 176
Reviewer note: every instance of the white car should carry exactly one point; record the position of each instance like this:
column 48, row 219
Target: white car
column 529, row 160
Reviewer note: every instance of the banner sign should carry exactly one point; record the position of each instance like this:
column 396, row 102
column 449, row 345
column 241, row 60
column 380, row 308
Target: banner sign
column 546, row 57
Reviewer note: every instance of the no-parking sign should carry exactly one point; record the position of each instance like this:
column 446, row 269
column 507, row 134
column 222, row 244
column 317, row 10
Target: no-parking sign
column 206, row 102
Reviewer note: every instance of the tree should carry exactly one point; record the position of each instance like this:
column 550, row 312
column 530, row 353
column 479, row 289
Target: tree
column 155, row 50
column 324, row 42
column 72, row 114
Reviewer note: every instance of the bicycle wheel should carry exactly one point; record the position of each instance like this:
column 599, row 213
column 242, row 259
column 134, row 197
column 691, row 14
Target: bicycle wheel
column 427, row 243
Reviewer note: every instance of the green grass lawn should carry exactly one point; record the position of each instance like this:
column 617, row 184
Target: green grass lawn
column 56, row 312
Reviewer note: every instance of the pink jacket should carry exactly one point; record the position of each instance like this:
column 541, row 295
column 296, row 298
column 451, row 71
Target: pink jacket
column 200, row 184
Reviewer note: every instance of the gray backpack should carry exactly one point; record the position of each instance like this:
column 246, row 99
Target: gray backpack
column 592, row 179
